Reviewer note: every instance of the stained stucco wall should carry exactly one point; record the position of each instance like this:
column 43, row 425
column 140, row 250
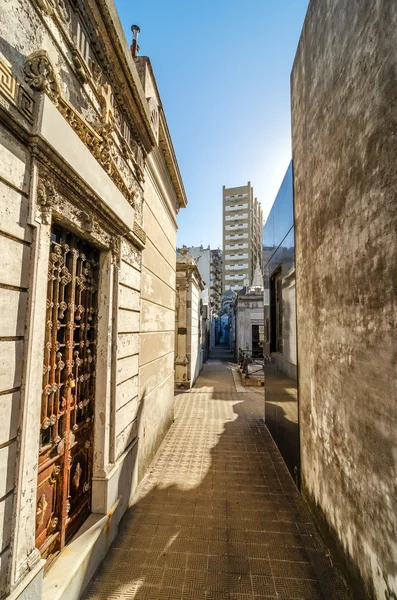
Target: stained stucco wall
column 344, row 126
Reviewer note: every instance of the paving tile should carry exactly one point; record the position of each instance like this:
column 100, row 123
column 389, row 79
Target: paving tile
column 217, row 517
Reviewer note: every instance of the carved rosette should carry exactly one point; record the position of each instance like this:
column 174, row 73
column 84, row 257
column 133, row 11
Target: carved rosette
column 40, row 74
column 41, row 509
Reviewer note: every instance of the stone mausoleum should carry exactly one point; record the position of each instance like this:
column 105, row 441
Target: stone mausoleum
column 89, row 193
column 189, row 323
column 248, row 318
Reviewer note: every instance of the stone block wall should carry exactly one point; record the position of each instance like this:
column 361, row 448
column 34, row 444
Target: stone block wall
column 15, row 243
column 344, row 129
column 156, row 362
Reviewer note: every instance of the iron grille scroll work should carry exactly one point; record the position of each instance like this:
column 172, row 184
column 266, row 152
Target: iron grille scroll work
column 67, row 408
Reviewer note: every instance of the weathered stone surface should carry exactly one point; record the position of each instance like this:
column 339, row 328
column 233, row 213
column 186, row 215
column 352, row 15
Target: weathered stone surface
column 155, row 290
column 7, row 468
column 156, row 318
column 13, row 162
column 154, row 262
column 11, row 357
column 127, row 367
column 128, row 344
column 128, row 321
column 9, row 411
column 130, row 276
column 344, row 126
column 152, row 374
column 14, row 262
column 125, row 391
column 155, row 344
column 129, row 298
column 14, row 213
column 5, row 521
column 13, row 312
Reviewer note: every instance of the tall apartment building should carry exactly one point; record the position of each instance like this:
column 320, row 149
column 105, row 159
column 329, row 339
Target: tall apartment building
column 209, row 263
column 242, row 235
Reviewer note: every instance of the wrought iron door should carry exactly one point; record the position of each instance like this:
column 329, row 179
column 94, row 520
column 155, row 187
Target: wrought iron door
column 67, row 410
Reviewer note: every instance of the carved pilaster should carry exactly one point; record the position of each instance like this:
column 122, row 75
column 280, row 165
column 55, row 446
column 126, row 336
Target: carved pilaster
column 115, row 248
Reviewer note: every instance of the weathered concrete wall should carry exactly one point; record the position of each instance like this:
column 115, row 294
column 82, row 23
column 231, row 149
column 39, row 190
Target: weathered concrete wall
column 344, row 125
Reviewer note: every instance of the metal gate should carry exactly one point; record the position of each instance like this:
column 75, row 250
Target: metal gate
column 67, row 409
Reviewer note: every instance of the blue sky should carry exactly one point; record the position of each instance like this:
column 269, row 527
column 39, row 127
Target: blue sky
column 223, row 71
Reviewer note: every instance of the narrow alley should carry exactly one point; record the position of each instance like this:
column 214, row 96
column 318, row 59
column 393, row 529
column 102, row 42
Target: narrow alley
column 218, row 515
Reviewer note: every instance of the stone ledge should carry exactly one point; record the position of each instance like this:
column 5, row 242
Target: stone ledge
column 79, row 560
column 30, row 587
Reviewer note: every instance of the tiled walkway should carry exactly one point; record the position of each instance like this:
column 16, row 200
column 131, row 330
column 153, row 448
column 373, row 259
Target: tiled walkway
column 218, row 515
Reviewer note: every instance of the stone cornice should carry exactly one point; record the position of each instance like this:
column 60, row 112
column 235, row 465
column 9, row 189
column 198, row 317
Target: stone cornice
column 68, row 180
column 167, row 147
column 190, row 271
column 122, row 65
column 118, row 50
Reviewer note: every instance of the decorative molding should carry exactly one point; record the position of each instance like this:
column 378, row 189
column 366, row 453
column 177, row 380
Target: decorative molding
column 52, row 167
column 78, row 63
column 16, row 93
column 26, row 104
column 8, row 83
column 40, row 74
column 90, row 71
column 47, row 198
column 63, row 10
column 87, row 221
column 61, row 204
column 45, row 6
column 99, row 144
column 139, row 233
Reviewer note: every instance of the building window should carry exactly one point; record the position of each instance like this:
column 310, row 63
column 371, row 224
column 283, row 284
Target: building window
column 257, row 340
column 276, row 312
column 82, row 42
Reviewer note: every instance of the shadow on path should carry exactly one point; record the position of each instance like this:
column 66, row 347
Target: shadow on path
column 218, row 515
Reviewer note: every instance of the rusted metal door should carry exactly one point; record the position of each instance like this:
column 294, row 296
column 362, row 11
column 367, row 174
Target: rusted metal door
column 67, row 410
